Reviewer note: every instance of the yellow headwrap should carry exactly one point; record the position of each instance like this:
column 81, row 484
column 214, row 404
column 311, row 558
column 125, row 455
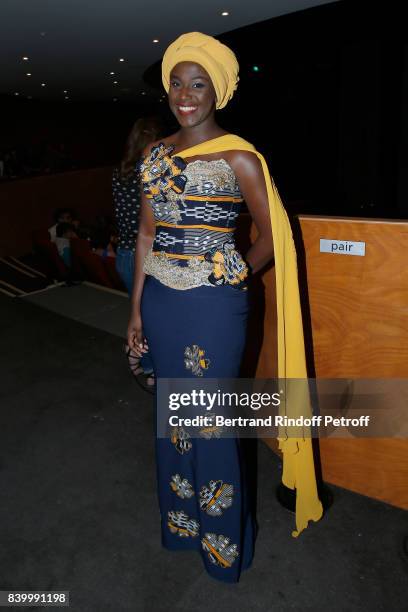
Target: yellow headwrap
column 217, row 59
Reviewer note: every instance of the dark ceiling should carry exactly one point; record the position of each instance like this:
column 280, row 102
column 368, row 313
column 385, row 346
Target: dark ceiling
column 73, row 46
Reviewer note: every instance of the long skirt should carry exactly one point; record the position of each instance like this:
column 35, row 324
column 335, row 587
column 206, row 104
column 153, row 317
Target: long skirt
column 205, row 487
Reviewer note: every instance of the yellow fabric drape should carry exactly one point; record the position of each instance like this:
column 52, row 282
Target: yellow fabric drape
column 298, row 464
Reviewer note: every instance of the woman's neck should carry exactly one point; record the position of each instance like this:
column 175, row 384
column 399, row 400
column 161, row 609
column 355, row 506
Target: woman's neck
column 189, row 137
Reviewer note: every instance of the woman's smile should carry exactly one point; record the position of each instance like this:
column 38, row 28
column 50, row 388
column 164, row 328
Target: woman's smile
column 186, row 110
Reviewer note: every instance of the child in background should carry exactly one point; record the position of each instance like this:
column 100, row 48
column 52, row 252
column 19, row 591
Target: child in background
column 61, row 215
column 105, row 243
column 64, row 233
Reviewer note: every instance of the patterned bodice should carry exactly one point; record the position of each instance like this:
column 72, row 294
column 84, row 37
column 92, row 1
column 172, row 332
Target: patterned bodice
column 195, row 207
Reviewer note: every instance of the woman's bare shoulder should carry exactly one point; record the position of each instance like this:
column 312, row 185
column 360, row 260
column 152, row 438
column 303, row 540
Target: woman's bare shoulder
column 243, row 161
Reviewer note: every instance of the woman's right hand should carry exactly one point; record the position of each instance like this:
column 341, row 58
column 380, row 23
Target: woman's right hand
column 135, row 338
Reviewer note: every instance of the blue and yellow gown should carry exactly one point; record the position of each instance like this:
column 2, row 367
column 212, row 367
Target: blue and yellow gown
column 194, row 312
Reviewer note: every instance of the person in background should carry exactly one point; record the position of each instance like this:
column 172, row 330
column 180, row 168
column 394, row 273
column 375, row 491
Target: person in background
column 82, row 230
column 126, row 198
column 105, row 243
column 64, row 233
column 61, row 215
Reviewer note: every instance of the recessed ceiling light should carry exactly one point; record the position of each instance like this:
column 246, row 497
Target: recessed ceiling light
column 42, row 84
column 143, row 93
column 29, row 97
column 25, row 58
column 112, row 73
column 28, row 73
column 65, row 91
column 155, row 40
column 115, row 82
column 121, row 59
column 16, row 93
column 115, row 99
column 225, row 13
column 66, row 97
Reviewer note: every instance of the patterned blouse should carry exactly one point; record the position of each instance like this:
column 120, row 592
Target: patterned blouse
column 195, row 207
column 126, row 198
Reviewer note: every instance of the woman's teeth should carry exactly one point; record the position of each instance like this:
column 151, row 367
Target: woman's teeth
column 187, row 109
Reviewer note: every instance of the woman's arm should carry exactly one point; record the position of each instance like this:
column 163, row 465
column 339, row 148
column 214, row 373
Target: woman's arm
column 250, row 177
column 144, row 243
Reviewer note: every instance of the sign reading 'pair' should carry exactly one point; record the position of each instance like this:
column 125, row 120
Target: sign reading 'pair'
column 342, row 247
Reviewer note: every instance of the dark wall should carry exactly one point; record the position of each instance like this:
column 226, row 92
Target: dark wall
column 330, row 102
column 93, row 132
column 28, row 205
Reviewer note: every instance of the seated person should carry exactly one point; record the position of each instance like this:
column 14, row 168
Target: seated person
column 64, row 233
column 82, row 230
column 61, row 215
column 105, row 243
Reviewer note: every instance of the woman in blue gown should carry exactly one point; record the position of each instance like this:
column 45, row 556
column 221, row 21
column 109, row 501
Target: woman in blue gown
column 190, row 299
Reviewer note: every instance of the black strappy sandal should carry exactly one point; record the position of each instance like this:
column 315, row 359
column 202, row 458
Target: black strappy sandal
column 133, row 361
column 146, row 381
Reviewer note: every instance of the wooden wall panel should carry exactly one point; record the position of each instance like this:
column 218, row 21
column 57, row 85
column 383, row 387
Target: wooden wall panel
column 358, row 305
column 359, row 318
column 356, row 326
column 377, row 467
